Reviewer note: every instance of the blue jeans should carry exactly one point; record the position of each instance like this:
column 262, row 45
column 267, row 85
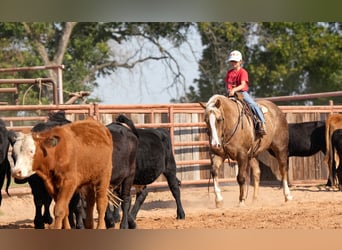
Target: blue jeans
column 254, row 106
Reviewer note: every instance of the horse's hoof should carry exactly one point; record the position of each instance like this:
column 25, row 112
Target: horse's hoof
column 242, row 204
column 289, row 198
column 255, row 201
column 219, row 204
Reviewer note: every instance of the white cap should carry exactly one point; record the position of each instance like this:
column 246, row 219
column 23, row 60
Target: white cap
column 235, row 55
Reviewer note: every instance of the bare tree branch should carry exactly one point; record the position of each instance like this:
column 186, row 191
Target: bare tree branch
column 114, row 64
column 40, row 47
column 63, row 42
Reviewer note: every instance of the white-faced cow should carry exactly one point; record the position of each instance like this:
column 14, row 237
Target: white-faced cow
column 41, row 197
column 154, row 157
column 67, row 158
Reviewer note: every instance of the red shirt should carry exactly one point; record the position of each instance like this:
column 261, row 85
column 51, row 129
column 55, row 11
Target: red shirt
column 234, row 78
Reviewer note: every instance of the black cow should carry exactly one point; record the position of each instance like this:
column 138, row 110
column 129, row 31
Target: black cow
column 336, row 143
column 154, row 157
column 5, row 167
column 306, row 138
column 125, row 144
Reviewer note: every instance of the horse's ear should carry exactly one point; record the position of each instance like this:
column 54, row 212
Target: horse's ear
column 203, row 104
column 217, row 103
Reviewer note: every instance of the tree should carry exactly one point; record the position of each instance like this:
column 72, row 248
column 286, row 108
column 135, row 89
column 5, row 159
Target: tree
column 84, row 49
column 296, row 58
column 282, row 58
column 218, row 39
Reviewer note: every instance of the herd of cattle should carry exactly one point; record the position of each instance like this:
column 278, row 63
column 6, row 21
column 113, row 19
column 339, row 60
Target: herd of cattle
column 79, row 164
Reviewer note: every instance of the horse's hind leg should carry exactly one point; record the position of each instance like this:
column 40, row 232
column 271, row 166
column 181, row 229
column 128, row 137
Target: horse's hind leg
column 242, row 177
column 283, row 167
column 217, row 162
column 254, row 164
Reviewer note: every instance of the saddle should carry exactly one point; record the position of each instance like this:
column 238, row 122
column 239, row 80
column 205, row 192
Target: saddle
column 246, row 110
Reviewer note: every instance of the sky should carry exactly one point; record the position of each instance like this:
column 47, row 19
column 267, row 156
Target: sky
column 148, row 83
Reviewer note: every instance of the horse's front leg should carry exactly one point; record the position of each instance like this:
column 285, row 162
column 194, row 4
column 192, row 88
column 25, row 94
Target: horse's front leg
column 241, row 178
column 217, row 162
column 254, row 164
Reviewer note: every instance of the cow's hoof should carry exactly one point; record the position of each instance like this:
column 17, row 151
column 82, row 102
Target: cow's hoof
column 48, row 220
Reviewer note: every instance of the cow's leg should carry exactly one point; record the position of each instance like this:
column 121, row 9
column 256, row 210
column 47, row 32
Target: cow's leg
column 81, row 213
column 140, row 196
column 38, row 218
column 217, row 162
column 283, row 167
column 109, row 216
column 254, row 164
column 47, row 216
column 76, row 212
column 90, row 200
column 174, row 184
column 127, row 220
column 41, row 198
column 102, row 202
column 61, row 210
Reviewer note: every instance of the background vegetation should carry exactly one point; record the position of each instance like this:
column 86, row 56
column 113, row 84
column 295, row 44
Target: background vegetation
column 282, row 58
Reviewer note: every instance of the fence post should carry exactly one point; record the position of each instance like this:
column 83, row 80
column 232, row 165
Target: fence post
column 172, row 127
column 331, row 105
column 94, row 112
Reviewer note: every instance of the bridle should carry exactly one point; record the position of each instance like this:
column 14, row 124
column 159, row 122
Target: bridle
column 227, row 141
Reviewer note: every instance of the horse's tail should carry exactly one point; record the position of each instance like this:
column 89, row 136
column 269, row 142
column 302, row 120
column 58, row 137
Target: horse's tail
column 210, row 176
column 328, row 159
column 327, row 142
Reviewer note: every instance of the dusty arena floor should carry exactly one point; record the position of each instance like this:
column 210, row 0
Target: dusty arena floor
column 313, row 207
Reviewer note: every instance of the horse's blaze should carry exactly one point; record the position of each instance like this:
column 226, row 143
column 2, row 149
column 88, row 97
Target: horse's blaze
column 214, row 137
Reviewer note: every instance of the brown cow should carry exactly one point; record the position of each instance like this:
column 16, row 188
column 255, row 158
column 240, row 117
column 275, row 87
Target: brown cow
column 67, row 158
column 333, row 122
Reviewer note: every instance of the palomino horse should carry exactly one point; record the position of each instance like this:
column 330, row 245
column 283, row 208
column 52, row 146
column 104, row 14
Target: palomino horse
column 232, row 134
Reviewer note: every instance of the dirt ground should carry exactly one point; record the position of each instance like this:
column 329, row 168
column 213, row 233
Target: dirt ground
column 313, row 207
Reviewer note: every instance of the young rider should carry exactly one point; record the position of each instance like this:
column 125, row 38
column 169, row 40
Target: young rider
column 237, row 81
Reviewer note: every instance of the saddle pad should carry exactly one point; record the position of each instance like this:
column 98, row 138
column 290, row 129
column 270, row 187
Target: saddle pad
column 263, row 109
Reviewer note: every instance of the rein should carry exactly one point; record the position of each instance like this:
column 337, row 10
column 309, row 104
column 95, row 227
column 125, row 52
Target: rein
column 240, row 120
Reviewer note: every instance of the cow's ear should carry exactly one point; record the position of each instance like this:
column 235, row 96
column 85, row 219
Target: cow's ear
column 13, row 136
column 52, row 141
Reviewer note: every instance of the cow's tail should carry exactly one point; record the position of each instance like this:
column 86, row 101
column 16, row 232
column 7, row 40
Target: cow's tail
column 128, row 122
column 8, row 177
column 113, row 198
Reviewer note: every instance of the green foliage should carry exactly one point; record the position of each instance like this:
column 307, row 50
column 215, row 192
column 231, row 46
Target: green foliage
column 281, row 58
column 86, row 55
column 218, row 39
